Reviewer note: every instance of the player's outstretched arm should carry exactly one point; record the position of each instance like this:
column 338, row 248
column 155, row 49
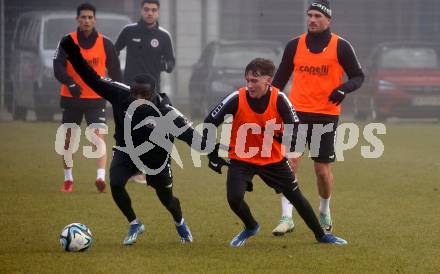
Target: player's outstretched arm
column 103, row 87
column 188, row 134
column 184, row 130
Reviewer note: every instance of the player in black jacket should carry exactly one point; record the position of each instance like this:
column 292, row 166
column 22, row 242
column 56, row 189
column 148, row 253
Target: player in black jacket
column 146, row 121
column 149, row 46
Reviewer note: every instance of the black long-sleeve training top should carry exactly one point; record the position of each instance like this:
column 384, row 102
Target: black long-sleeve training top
column 120, row 97
column 316, row 43
column 112, row 65
column 149, row 50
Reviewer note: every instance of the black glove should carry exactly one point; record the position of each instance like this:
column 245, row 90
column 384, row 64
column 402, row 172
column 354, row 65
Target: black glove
column 216, row 162
column 75, row 90
column 278, row 138
column 69, row 46
column 337, row 97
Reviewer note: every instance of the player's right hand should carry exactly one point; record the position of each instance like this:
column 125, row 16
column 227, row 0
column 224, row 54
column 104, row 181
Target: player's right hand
column 69, row 46
column 163, row 64
column 75, row 90
column 336, row 97
column 215, row 162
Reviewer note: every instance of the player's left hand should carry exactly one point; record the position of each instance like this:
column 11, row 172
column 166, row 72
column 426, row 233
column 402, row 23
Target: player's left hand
column 69, row 46
column 215, row 162
column 164, row 66
column 337, row 97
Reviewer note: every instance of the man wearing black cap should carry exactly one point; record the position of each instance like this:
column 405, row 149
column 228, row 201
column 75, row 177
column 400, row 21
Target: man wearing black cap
column 139, row 124
column 317, row 59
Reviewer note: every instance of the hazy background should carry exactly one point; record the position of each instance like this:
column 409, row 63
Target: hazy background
column 195, row 23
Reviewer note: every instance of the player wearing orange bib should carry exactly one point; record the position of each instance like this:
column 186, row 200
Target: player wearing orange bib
column 318, row 59
column 260, row 113
column 78, row 100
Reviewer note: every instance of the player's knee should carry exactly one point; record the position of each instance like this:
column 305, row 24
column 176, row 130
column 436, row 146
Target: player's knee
column 173, row 203
column 116, row 180
column 115, row 188
column 166, row 197
column 322, row 175
column 235, row 201
column 116, row 184
column 322, row 171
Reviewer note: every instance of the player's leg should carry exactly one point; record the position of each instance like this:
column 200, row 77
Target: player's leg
column 98, row 116
column 163, row 184
column 74, row 116
column 286, row 223
column 324, row 176
column 280, row 177
column 239, row 174
column 121, row 170
column 306, row 212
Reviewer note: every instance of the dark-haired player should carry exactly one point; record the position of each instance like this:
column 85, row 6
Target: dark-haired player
column 157, row 158
column 253, row 151
column 78, row 100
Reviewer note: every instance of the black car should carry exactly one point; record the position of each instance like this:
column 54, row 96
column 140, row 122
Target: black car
column 220, row 70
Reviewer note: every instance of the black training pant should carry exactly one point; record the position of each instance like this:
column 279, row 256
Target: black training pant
column 279, row 177
column 122, row 169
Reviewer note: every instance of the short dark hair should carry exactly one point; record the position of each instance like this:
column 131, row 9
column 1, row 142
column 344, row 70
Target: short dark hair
column 144, row 84
column 85, row 6
column 150, row 2
column 260, row 67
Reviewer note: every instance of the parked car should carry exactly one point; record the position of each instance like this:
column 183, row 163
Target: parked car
column 36, row 37
column 220, row 70
column 403, row 81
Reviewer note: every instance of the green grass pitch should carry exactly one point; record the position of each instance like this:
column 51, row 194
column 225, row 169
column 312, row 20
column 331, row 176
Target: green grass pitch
column 387, row 208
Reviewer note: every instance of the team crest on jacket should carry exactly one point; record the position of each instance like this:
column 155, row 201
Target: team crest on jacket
column 154, row 43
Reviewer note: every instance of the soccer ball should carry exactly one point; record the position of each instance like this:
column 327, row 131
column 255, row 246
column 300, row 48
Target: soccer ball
column 76, row 237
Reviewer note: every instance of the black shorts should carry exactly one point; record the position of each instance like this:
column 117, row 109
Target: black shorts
column 92, row 115
column 278, row 176
column 122, row 169
column 322, row 149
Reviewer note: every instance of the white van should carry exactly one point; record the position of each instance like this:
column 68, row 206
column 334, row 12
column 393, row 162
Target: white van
column 36, row 37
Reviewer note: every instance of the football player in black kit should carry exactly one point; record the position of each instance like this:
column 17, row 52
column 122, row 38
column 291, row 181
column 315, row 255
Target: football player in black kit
column 156, row 157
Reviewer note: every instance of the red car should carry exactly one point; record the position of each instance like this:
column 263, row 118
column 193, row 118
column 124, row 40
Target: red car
column 403, row 80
